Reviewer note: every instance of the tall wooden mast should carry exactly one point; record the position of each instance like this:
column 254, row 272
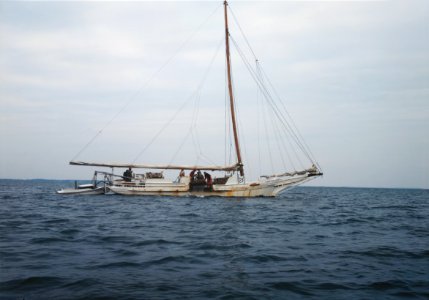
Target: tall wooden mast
column 231, row 95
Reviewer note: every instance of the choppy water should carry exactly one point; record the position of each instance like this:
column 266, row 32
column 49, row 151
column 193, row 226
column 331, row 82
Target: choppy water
column 315, row 243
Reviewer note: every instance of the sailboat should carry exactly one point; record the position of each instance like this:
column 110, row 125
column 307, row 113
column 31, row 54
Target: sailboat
column 199, row 181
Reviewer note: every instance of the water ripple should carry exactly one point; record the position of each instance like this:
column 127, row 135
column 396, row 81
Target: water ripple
column 316, row 243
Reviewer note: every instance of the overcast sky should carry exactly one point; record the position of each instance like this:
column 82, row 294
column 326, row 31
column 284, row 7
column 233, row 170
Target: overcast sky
column 353, row 75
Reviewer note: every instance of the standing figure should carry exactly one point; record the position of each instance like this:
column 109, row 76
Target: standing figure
column 209, row 180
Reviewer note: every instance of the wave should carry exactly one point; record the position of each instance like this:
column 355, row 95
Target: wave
column 291, row 286
column 389, row 284
column 47, row 240
column 265, row 258
column 223, row 246
column 119, row 264
column 31, row 283
column 324, row 244
column 155, row 242
column 386, row 251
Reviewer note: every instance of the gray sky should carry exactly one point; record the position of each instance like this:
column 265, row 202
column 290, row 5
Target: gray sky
column 353, row 75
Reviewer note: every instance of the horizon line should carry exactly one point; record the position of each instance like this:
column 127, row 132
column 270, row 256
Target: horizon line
column 311, row 186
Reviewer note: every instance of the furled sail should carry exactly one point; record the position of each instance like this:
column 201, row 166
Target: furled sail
column 163, row 167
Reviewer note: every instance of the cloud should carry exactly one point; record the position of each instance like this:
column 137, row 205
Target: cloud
column 353, row 75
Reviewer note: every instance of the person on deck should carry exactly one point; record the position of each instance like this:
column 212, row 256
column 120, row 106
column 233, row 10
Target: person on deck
column 209, row 180
column 200, row 176
column 192, row 174
column 128, row 175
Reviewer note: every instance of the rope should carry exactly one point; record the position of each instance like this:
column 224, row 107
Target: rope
column 258, row 124
column 291, row 119
column 273, row 105
column 277, row 132
column 146, row 84
column 228, row 136
column 266, row 130
column 180, row 147
column 195, row 93
column 242, row 33
column 300, row 138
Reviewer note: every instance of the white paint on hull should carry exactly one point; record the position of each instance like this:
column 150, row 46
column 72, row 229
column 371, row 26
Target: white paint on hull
column 268, row 188
column 88, row 191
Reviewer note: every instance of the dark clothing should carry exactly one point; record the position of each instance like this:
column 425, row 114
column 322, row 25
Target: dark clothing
column 208, row 178
column 200, row 176
column 128, row 174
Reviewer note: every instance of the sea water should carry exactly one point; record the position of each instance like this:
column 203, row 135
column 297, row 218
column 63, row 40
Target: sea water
column 313, row 243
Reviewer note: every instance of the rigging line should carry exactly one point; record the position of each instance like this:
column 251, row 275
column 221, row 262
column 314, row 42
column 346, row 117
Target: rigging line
column 180, row 147
column 271, row 101
column 207, row 159
column 268, row 138
column 161, row 130
column 239, row 127
column 246, row 156
column 194, row 130
column 193, row 122
column 297, row 138
column 286, row 148
column 242, row 32
column 146, row 84
column 285, row 123
column 258, row 125
column 183, row 105
column 277, row 132
column 193, row 126
column 298, row 160
column 296, row 130
column 195, row 134
column 228, row 135
column 187, row 135
column 287, row 140
column 235, row 104
column 268, row 144
column 240, row 132
column 277, row 138
column 225, row 115
column 290, row 130
column 197, row 103
column 273, row 105
column 290, row 117
column 265, row 127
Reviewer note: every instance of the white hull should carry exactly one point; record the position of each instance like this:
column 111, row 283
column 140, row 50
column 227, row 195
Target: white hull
column 87, row 191
column 269, row 188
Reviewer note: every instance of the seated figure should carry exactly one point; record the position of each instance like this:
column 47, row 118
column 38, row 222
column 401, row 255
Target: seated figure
column 128, row 175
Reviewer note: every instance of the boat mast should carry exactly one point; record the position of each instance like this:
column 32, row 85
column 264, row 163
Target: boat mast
column 231, row 95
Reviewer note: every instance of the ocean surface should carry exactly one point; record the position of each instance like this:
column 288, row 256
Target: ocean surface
column 312, row 243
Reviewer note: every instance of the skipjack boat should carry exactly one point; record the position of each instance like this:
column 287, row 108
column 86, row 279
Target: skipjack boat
column 198, row 180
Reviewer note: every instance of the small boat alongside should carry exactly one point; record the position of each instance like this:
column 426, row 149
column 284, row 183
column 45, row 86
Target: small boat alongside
column 86, row 189
column 96, row 187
